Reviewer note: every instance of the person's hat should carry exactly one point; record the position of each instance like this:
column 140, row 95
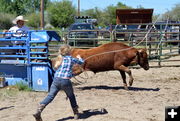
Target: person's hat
column 18, row 18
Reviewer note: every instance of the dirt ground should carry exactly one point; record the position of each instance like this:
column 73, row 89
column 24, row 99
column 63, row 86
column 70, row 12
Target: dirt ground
column 102, row 98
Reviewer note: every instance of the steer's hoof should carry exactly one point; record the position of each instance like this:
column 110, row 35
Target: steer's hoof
column 130, row 83
column 126, row 88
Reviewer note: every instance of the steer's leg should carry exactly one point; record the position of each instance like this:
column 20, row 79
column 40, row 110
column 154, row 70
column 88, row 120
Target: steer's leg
column 128, row 71
column 123, row 75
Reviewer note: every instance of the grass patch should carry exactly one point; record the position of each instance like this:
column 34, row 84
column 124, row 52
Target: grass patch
column 11, row 92
column 22, row 86
column 8, row 92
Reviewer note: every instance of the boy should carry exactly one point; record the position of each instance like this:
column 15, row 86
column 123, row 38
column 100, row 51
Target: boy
column 62, row 81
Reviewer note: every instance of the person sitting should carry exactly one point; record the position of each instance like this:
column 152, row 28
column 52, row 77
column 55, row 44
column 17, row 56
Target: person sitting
column 19, row 27
column 19, row 30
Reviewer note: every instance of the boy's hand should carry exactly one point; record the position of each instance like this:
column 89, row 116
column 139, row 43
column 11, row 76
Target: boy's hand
column 78, row 56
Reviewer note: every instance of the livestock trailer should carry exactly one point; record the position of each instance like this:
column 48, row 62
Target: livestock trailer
column 24, row 59
column 130, row 16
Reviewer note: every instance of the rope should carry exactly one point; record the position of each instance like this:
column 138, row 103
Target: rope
column 125, row 48
column 80, row 82
column 129, row 47
column 107, row 53
column 161, row 37
column 150, row 30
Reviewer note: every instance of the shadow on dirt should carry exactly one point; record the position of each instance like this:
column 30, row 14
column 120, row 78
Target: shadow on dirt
column 117, row 88
column 87, row 113
column 6, row 108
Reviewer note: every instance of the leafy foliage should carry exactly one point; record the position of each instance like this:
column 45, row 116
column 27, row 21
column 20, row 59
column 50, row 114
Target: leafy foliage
column 33, row 20
column 6, row 20
column 173, row 14
column 21, row 7
column 61, row 14
column 106, row 16
column 5, row 6
column 176, row 12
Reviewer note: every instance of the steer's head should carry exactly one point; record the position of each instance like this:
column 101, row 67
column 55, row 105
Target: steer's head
column 143, row 59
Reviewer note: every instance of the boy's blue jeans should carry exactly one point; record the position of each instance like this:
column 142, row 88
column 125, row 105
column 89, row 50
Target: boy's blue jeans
column 60, row 84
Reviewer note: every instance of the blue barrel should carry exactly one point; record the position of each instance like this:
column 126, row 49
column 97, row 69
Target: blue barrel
column 40, row 77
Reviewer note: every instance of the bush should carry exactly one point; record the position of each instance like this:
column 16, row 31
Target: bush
column 33, row 20
column 61, row 14
column 6, row 21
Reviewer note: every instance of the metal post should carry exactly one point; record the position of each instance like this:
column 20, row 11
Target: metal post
column 78, row 7
column 42, row 14
column 179, row 39
column 160, row 46
column 150, row 48
column 29, row 68
column 160, row 54
column 111, row 36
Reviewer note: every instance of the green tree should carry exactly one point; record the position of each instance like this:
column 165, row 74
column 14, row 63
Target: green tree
column 140, row 7
column 18, row 7
column 123, row 6
column 176, row 12
column 173, row 14
column 33, row 20
column 106, row 16
column 5, row 6
column 110, row 14
column 156, row 18
column 61, row 14
column 21, row 7
column 95, row 13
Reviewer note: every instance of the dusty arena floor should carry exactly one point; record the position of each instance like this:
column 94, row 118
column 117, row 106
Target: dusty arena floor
column 102, row 98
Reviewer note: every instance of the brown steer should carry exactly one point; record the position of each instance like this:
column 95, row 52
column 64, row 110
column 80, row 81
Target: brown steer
column 113, row 56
